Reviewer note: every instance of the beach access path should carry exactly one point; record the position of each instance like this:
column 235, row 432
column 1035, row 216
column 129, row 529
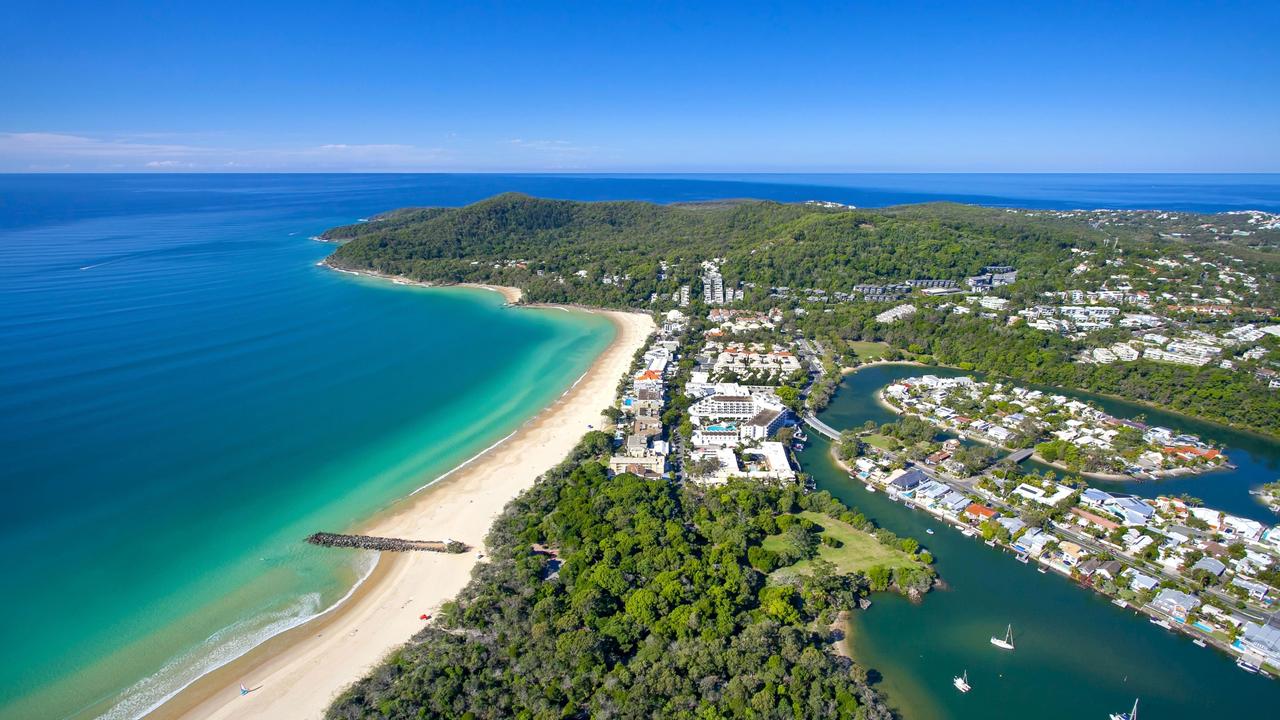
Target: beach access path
column 297, row 674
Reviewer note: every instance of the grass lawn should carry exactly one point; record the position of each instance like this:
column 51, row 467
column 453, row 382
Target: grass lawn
column 884, row 442
column 860, row 550
column 869, row 350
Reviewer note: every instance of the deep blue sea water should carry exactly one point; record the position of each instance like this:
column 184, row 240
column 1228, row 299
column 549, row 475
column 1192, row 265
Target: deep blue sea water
column 184, row 394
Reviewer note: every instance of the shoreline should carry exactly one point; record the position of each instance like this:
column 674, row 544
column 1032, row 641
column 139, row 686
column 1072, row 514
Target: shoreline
column 297, row 673
column 1259, row 434
column 513, row 295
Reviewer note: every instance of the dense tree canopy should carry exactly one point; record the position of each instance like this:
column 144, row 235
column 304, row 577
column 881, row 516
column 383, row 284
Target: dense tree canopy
column 649, row 601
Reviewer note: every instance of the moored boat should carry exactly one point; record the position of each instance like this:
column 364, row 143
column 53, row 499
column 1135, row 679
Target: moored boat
column 1247, row 666
column 1131, row 715
column 1007, row 641
column 961, row 682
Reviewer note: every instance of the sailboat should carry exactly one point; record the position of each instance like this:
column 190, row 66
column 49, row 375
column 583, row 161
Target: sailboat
column 1006, row 642
column 961, row 682
column 1131, row 715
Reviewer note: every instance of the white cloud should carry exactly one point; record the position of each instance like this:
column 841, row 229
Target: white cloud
column 42, row 152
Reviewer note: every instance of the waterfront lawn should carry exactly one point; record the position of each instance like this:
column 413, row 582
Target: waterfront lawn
column 869, row 350
column 884, row 442
column 859, row 551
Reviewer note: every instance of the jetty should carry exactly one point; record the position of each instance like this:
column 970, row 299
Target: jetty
column 371, row 542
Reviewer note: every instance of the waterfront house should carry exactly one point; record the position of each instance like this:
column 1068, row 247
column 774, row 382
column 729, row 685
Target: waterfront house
column 954, row 502
column 1012, row 524
column 908, row 480
column 1111, row 569
column 1033, row 541
column 1130, row 510
column 1262, row 640
column 1175, row 603
column 931, row 491
column 1095, row 498
column 1089, row 567
column 1072, row 554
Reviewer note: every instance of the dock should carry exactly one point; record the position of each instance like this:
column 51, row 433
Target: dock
column 370, row 542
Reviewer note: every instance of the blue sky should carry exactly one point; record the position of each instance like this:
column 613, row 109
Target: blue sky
column 642, row 87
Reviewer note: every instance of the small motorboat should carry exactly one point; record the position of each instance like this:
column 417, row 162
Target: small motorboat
column 1199, row 642
column 962, row 682
column 1247, row 666
column 929, row 530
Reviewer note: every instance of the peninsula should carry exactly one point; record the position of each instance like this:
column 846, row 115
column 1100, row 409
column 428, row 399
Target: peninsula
column 683, row 515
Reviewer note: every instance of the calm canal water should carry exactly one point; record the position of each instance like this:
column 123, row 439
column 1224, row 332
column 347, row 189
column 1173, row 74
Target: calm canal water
column 1078, row 655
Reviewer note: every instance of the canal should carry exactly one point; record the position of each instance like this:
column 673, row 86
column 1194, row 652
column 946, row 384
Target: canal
column 1077, row 656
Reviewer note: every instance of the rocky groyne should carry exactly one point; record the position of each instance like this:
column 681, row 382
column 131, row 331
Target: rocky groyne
column 370, row 542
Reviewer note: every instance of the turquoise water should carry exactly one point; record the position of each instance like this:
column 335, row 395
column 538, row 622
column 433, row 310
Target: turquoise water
column 1078, row 656
column 183, row 398
column 184, row 395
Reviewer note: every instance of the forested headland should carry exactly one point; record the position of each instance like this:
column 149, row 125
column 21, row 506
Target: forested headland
column 636, row 598
column 639, row 255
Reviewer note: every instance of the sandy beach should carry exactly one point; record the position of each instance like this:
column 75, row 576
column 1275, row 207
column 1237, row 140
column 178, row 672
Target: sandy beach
column 297, row 674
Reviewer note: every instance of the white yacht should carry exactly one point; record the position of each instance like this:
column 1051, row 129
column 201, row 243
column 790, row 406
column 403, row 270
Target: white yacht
column 961, row 682
column 1006, row 642
column 1131, row 715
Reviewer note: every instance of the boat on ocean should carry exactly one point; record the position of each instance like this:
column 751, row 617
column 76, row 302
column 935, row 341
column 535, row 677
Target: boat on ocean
column 1247, row 666
column 1131, row 715
column 870, row 488
column 961, row 682
column 929, row 530
column 1006, row 642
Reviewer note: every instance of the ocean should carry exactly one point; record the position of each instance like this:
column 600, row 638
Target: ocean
column 185, row 394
